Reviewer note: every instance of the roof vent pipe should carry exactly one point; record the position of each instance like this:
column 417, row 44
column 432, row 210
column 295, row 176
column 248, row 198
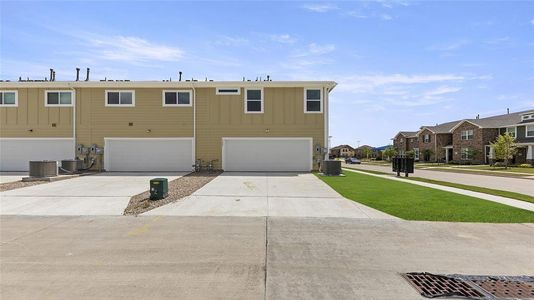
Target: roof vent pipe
column 87, row 76
column 180, row 76
column 51, row 75
column 54, row 75
column 507, row 111
column 77, row 74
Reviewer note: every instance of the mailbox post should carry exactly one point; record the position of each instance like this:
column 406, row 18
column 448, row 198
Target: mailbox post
column 403, row 164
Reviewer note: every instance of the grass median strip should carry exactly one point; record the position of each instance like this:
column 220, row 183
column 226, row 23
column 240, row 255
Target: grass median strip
column 494, row 192
column 413, row 202
column 507, row 194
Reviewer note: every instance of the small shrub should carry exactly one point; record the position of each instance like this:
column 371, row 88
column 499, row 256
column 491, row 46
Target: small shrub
column 525, row 166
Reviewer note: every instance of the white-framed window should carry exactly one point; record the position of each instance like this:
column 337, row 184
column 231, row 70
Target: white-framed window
column 426, row 138
column 512, row 131
column 465, row 154
column 416, row 153
column 529, row 131
column 467, row 134
column 59, row 98
column 9, row 98
column 228, row 91
column 120, row 98
column 527, row 117
column 254, row 100
column 177, row 98
column 313, row 100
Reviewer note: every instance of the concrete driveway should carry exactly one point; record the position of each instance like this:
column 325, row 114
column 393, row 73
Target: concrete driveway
column 268, row 194
column 99, row 194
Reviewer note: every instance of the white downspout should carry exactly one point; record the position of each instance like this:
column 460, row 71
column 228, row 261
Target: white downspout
column 74, row 120
column 325, row 112
column 194, row 122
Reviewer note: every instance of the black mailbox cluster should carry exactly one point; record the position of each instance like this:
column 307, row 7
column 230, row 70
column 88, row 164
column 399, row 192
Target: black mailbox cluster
column 403, row 164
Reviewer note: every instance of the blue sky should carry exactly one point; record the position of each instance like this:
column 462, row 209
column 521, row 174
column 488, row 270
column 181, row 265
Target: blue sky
column 399, row 64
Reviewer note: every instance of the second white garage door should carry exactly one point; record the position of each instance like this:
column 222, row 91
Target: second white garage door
column 16, row 153
column 148, row 154
column 267, row 154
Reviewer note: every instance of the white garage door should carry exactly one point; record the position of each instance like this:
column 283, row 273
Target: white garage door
column 267, row 154
column 148, row 154
column 15, row 153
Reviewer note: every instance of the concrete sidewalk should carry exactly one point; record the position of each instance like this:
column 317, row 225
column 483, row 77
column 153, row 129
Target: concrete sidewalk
column 246, row 258
column 503, row 200
column 268, row 194
column 517, row 185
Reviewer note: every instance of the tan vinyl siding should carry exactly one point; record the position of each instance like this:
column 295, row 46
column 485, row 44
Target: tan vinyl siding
column 218, row 116
column 223, row 116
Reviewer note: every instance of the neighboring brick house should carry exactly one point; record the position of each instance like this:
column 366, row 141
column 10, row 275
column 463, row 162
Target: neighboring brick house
column 405, row 141
column 360, row 152
column 435, row 142
column 470, row 140
column 342, row 151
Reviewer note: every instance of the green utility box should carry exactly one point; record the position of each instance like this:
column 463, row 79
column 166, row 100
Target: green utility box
column 159, row 188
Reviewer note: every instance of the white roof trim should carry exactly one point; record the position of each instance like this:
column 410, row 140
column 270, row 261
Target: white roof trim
column 460, row 123
column 423, row 129
column 163, row 84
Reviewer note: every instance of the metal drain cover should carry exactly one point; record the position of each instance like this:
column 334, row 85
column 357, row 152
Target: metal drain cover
column 434, row 286
column 472, row 286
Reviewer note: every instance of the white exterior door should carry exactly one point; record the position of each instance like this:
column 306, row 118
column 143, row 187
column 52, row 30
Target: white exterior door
column 267, row 154
column 15, row 153
column 148, row 154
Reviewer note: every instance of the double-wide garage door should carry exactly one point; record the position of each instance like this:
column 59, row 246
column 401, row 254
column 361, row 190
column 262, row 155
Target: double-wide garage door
column 148, row 154
column 267, row 154
column 15, row 153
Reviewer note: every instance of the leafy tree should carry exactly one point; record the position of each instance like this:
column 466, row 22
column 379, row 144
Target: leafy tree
column 505, row 148
column 410, row 154
column 390, row 152
column 367, row 152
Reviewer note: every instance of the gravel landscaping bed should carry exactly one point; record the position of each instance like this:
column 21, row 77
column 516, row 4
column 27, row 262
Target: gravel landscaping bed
column 21, row 184
column 178, row 189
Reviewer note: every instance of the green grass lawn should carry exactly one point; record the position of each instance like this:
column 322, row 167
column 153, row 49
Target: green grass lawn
column 501, row 193
column 413, row 202
column 507, row 194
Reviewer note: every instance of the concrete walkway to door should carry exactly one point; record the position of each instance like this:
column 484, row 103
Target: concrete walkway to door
column 268, row 194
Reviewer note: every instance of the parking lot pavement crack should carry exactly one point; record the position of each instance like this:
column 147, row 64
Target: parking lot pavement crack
column 266, row 257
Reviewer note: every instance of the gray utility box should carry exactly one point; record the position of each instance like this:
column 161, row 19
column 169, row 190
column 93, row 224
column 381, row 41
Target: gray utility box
column 332, row 167
column 72, row 165
column 43, row 168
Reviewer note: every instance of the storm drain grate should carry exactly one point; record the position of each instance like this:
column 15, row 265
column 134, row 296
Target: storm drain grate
column 433, row 286
column 472, row 286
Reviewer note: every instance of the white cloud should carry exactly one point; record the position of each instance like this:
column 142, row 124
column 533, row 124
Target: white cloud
column 449, row 46
column 316, row 49
column 225, row 40
column 356, row 14
column 386, row 17
column 532, row 21
column 282, row 38
column 133, row 49
column 320, row 7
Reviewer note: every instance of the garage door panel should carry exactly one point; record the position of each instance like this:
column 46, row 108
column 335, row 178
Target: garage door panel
column 15, row 153
column 271, row 154
column 147, row 154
